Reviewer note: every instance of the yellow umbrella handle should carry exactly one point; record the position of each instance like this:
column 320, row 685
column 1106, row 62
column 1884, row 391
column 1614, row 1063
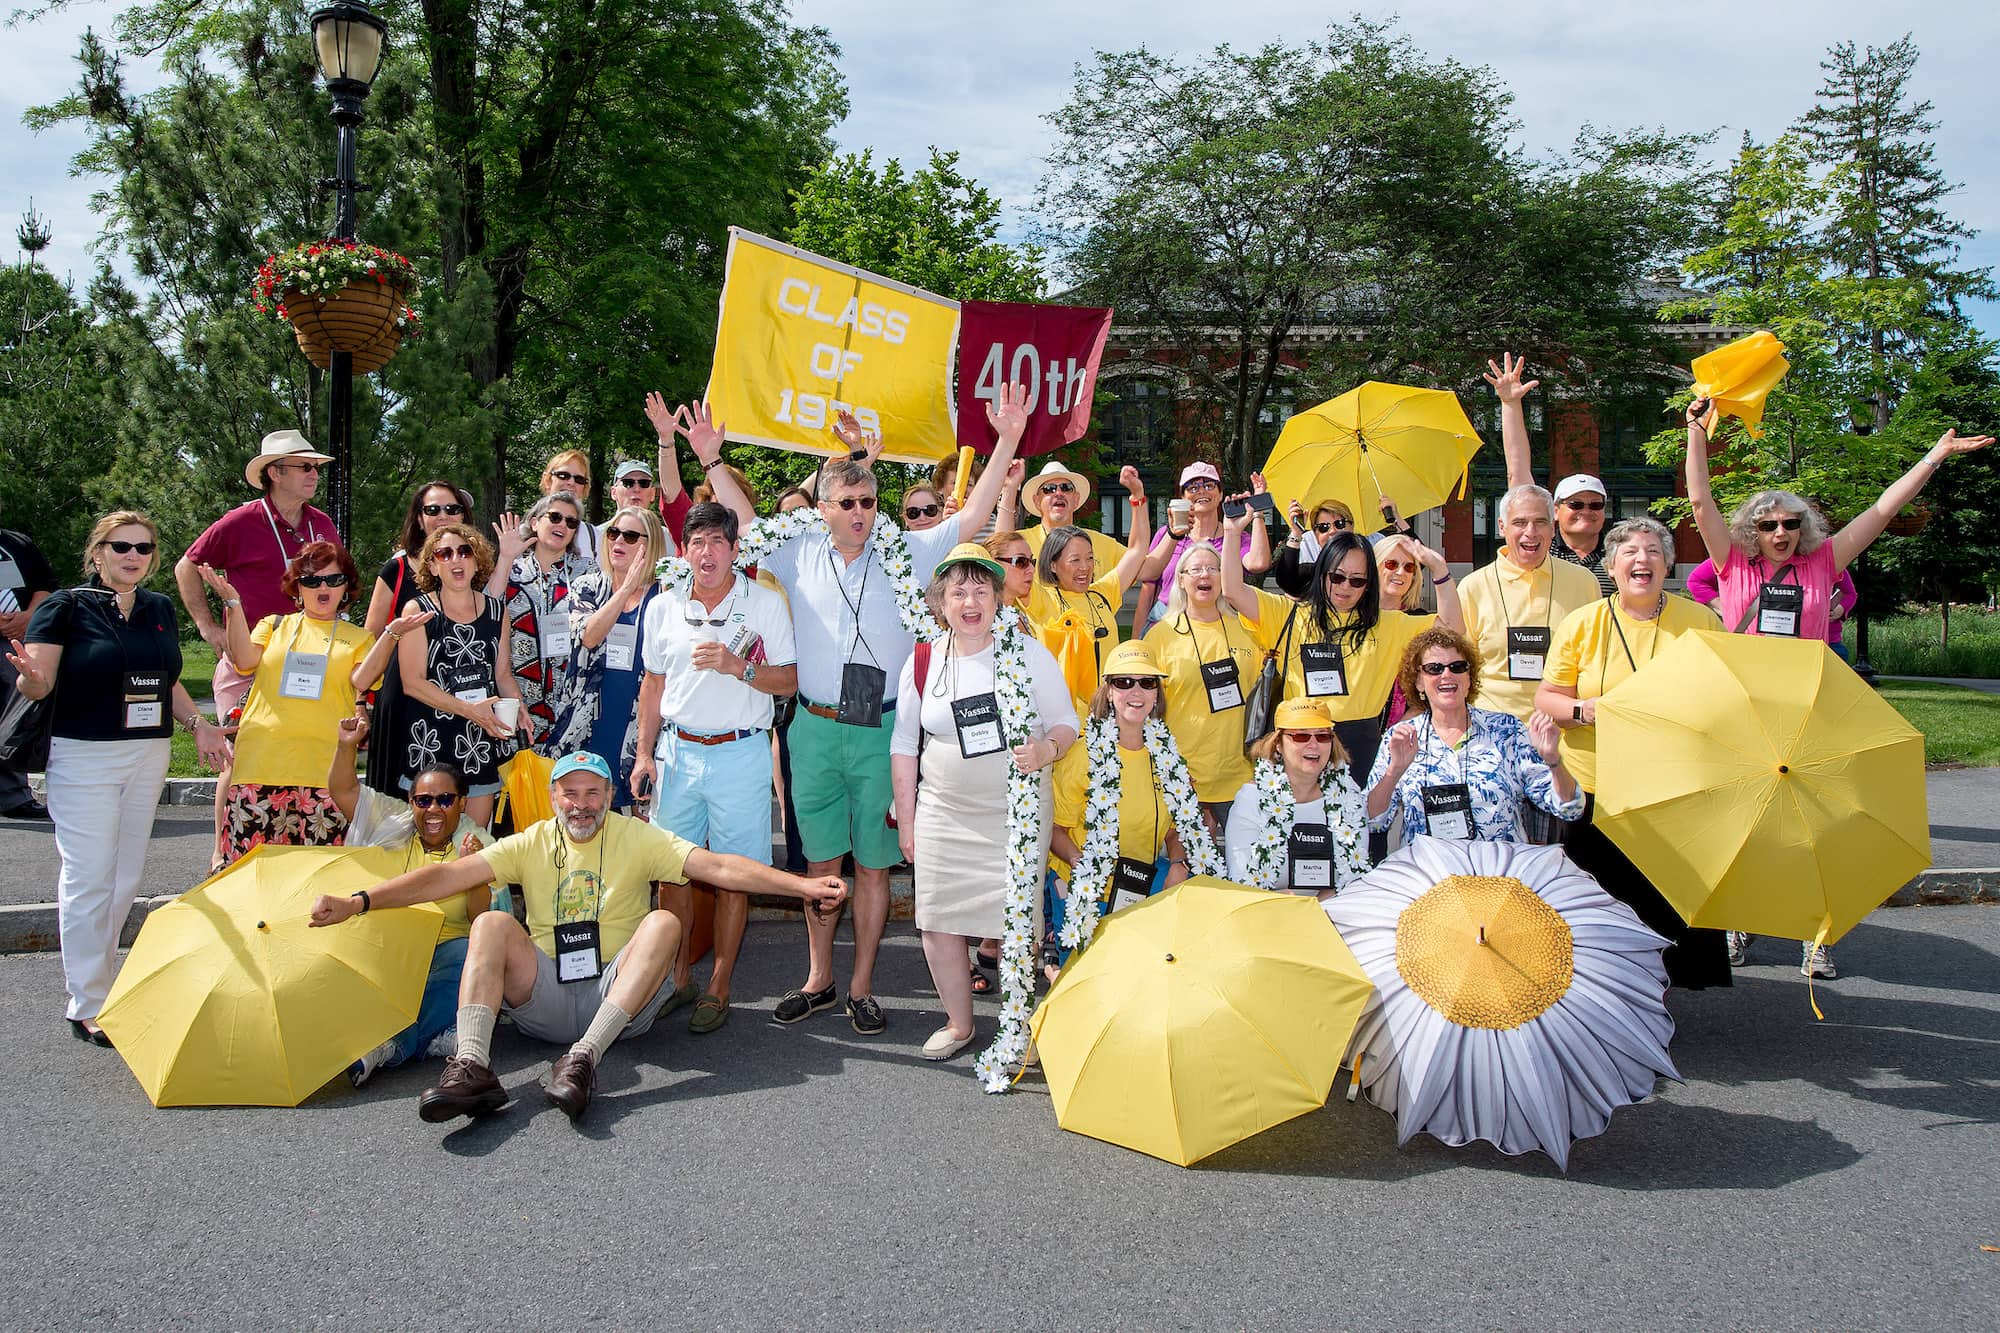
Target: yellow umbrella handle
column 964, row 474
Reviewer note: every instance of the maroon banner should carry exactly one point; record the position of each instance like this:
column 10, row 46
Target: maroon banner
column 1053, row 349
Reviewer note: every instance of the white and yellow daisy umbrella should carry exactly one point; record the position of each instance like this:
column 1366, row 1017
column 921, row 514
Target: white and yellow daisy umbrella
column 1515, row 1001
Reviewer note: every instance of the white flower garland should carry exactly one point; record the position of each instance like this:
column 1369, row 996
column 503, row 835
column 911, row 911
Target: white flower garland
column 1276, row 806
column 768, row 534
column 1025, row 863
column 1092, row 871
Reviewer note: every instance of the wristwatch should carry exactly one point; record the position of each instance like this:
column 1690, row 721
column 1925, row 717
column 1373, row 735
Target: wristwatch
column 1576, row 712
column 749, row 673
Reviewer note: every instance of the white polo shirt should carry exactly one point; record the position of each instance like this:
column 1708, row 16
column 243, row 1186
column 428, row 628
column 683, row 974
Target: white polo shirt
column 756, row 625
column 826, row 592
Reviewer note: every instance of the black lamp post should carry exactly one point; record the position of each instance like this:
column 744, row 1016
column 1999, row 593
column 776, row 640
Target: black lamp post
column 348, row 37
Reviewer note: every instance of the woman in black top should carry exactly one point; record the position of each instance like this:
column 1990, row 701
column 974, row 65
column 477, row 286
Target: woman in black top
column 111, row 654
column 432, row 505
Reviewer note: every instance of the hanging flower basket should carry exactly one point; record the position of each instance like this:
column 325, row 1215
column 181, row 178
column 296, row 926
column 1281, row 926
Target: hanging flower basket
column 1910, row 521
column 341, row 296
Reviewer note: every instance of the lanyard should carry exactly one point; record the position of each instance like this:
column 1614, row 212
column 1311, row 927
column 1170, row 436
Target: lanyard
column 1185, row 625
column 119, row 624
column 1548, row 608
column 271, row 517
column 1789, row 573
column 1611, row 606
column 853, row 603
column 332, row 632
column 562, row 859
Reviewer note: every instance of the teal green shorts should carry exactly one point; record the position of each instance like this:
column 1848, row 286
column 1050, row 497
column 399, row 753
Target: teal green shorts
column 841, row 791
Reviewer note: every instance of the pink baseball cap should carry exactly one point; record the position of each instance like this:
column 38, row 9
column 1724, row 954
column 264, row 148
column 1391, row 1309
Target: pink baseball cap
column 1193, row 470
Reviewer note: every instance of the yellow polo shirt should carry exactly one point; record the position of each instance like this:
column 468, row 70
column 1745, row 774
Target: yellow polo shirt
column 1370, row 673
column 1211, row 742
column 608, row 880
column 1105, row 551
column 1590, row 657
column 1143, row 818
column 1502, row 595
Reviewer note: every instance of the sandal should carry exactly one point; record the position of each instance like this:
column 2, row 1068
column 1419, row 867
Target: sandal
column 982, row 984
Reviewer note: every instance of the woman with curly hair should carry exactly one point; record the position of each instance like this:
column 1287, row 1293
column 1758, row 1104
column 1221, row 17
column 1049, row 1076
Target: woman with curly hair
column 432, row 505
column 305, row 671
column 1456, row 771
column 464, row 707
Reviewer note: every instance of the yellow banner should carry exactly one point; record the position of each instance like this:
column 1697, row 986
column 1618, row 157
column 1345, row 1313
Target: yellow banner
column 801, row 337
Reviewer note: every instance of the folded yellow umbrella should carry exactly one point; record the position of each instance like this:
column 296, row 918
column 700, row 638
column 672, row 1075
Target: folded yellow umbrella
column 229, row 997
column 1762, row 785
column 1198, row 1018
column 1736, row 376
column 1411, row 445
column 524, row 788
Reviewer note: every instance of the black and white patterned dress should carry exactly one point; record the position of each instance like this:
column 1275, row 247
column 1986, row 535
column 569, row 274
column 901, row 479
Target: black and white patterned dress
column 459, row 660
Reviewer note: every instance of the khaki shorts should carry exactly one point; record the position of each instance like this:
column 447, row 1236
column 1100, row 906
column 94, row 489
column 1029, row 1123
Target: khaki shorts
column 560, row 1011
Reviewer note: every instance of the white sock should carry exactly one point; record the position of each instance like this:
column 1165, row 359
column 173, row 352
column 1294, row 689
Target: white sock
column 475, row 1033
column 603, row 1030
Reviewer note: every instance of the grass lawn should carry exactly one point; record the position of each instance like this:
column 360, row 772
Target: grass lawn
column 1907, row 645
column 1960, row 726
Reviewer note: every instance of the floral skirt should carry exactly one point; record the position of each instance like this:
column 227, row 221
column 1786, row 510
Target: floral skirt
column 282, row 817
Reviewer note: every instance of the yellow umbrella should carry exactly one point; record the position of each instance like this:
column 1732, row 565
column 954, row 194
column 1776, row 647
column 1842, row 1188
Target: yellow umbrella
column 1411, row 445
column 524, row 788
column 1199, row 1017
column 229, row 998
column 1762, row 785
column 1736, row 377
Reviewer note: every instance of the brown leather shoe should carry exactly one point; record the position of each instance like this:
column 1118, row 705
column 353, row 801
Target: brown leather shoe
column 467, row 1088
column 570, row 1081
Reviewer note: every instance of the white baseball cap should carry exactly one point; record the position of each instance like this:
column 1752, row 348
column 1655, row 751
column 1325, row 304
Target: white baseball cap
column 1574, row 485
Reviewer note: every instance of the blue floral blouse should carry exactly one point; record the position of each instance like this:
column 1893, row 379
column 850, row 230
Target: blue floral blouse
column 1497, row 763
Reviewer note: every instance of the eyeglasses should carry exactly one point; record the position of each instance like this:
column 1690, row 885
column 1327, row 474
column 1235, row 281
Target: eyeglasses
column 432, row 511
column 1059, row 488
column 447, row 553
column 636, row 483
column 1773, row 524
column 1457, row 666
column 623, row 535
column 1586, row 506
column 563, row 520
column 572, row 478
column 1017, row 561
column 921, row 511
column 126, row 548
column 334, row 580
column 866, row 502
column 1146, row 683
column 1301, row 737
column 1399, row 566
column 302, row 467
column 426, row 801
column 1336, row 525
column 1335, row 579
column 1201, row 484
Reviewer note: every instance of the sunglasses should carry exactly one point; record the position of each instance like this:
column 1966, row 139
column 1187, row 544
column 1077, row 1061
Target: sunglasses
column 623, row 535
column 426, row 801
column 323, row 580
column 1301, row 737
column 126, row 548
column 1337, row 525
column 1457, row 667
column 636, row 483
column 302, row 467
column 1586, row 506
column 446, row 553
column 1017, row 561
column 921, row 511
column 1059, row 488
column 1334, row 580
column 432, row 511
column 562, row 520
column 866, row 502
column 1400, row 566
column 571, row 477
column 1773, row 524
column 1146, row 683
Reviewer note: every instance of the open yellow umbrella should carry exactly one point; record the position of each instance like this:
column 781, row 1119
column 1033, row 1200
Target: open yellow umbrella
column 1198, row 1018
column 1411, row 445
column 1762, row 785
column 1736, row 376
column 229, row 997
column 524, row 788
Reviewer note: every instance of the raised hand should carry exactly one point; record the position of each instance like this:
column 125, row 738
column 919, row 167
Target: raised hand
column 1009, row 415
column 1953, row 443
column 468, row 846
column 1015, row 477
column 402, row 625
column 218, row 583
column 666, row 420
column 1128, row 477
column 1433, row 562
column 511, row 535
column 1699, row 414
column 1545, row 736
column 354, row 728
column 1403, row 746
column 848, row 430
column 1238, row 523
column 1505, row 377
column 704, row 433
column 1257, row 486
column 1296, row 512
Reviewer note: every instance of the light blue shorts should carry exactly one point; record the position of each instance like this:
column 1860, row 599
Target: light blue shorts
column 717, row 796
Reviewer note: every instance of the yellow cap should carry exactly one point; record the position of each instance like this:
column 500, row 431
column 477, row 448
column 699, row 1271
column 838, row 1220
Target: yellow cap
column 1131, row 658
column 1301, row 713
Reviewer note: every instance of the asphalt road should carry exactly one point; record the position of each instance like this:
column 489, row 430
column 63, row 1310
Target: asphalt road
column 1807, row 1175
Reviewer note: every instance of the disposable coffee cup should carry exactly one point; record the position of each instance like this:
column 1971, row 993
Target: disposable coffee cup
column 508, row 711
column 1180, row 516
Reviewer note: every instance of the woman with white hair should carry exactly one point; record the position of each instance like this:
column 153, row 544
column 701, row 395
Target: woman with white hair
column 1776, row 562
column 1595, row 648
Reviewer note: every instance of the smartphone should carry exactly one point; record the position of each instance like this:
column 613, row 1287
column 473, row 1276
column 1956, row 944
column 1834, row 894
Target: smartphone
column 1266, row 507
column 1234, row 508
column 645, row 792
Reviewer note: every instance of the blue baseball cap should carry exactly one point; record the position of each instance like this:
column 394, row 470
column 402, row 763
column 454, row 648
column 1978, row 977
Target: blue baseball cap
column 581, row 761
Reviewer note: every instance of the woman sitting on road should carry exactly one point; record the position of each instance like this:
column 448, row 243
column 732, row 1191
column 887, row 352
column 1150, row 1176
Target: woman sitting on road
column 1455, row 771
column 538, row 566
column 427, row 829
column 110, row 651
column 1297, row 825
column 432, row 505
column 306, row 670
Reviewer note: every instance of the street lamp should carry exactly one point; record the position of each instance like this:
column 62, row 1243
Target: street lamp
column 348, row 37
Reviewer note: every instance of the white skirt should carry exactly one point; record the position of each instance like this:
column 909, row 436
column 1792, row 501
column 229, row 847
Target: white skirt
column 961, row 836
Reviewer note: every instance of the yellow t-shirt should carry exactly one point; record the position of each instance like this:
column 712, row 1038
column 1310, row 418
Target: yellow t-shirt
column 1591, row 657
column 288, row 742
column 1143, row 818
column 1210, row 741
column 1061, row 617
column 608, row 880
column 1369, row 673
column 1503, row 595
column 1105, row 551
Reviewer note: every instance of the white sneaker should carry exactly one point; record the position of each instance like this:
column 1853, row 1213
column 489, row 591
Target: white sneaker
column 1739, row 947
column 943, row 1045
column 363, row 1069
column 444, row 1045
column 1817, row 963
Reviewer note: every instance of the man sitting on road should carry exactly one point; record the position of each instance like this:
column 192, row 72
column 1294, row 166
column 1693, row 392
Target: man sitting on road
column 587, row 876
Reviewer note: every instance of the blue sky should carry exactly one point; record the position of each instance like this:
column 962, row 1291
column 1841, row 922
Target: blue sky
column 979, row 78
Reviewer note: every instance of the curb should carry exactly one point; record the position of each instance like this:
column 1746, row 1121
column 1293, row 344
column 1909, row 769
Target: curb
column 1937, row 888
column 177, row 791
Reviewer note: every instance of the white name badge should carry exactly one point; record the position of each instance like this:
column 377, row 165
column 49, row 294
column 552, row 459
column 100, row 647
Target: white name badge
column 1778, row 607
column 471, row 696
column 1527, row 651
column 1322, row 668
column 621, row 647
column 1448, row 810
column 304, row 676
column 577, row 956
column 1225, row 689
column 978, row 720
column 145, row 700
column 555, row 641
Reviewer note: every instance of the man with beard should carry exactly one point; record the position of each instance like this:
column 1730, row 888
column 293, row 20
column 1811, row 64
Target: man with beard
column 587, row 876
